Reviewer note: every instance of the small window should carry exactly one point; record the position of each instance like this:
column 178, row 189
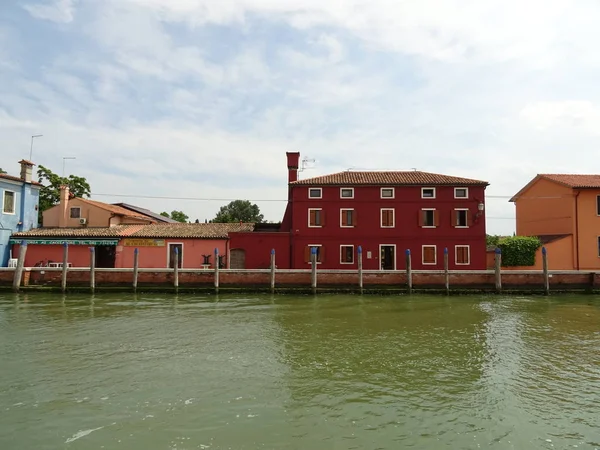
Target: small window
column 315, row 193
column 461, row 192
column 308, row 253
column 598, row 205
column 387, row 192
column 75, row 213
column 462, row 255
column 427, row 192
column 315, row 218
column 9, row 202
column 599, row 246
column 461, row 218
column 429, row 254
column 428, row 218
column 347, row 193
column 347, row 218
column 387, row 218
column 346, row 254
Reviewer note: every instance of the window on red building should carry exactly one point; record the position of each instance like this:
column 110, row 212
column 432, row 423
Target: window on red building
column 315, row 193
column 315, row 217
column 387, row 218
column 429, row 218
column 461, row 192
column 347, row 218
column 460, row 218
column 347, row 254
column 347, row 192
column 463, row 255
column 307, row 253
column 429, row 254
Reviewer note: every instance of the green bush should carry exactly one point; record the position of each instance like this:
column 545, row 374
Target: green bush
column 491, row 239
column 519, row 250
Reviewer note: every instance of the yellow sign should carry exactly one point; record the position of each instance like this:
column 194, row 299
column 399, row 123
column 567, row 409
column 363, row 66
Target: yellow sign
column 144, row 242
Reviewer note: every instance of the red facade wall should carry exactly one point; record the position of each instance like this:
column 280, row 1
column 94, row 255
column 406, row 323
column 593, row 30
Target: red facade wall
column 156, row 257
column 79, row 255
column 258, row 248
column 406, row 234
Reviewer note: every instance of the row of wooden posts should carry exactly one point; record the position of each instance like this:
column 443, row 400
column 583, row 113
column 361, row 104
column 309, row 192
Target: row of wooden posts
column 497, row 269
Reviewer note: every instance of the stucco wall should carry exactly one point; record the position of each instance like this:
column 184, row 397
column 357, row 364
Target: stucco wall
column 258, row 248
column 589, row 229
column 156, row 257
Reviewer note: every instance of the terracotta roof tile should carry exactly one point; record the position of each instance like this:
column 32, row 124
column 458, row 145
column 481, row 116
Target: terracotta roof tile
column 117, row 209
column 116, row 231
column 573, row 180
column 192, row 230
column 10, row 177
column 396, row 178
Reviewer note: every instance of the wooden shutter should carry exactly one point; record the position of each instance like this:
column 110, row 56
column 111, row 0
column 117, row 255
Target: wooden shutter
column 344, row 214
column 436, row 218
column 322, row 218
column 320, row 254
column 422, row 218
column 428, row 255
column 461, row 255
column 307, row 254
column 312, row 217
column 353, row 217
column 454, row 217
column 469, row 218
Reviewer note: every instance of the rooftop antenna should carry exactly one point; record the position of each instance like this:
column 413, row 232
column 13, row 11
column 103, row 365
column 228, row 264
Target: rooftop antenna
column 304, row 165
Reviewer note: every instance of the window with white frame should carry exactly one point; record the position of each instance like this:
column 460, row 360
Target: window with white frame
column 347, row 193
column 428, row 218
column 315, row 193
column 8, row 205
column 427, row 192
column 308, row 253
column 462, row 255
column 347, row 218
column 461, row 192
column 315, row 217
column 346, row 254
column 387, row 192
column 387, row 217
column 461, row 218
column 75, row 213
column 429, row 254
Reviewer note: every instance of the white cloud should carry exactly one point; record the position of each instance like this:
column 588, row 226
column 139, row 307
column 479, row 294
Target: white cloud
column 577, row 115
column 53, row 10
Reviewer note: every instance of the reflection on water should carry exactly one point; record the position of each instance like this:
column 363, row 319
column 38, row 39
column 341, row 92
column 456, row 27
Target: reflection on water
column 328, row 372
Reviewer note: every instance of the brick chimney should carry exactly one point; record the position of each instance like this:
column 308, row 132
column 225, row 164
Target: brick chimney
column 63, row 206
column 293, row 159
column 26, row 170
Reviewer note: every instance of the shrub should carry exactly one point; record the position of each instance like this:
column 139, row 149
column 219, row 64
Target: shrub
column 519, row 250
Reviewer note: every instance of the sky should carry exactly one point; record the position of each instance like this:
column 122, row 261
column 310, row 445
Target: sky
column 202, row 98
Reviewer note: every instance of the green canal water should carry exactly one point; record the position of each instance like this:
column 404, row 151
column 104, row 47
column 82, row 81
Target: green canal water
column 331, row 372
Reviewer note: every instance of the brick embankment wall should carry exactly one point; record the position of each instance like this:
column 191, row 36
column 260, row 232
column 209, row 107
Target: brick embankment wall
column 300, row 280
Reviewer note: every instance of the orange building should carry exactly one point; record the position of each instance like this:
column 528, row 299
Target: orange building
column 564, row 211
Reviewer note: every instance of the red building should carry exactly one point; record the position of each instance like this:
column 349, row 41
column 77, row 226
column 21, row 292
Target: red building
column 385, row 213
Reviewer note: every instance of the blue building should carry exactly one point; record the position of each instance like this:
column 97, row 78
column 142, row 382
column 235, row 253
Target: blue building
column 20, row 202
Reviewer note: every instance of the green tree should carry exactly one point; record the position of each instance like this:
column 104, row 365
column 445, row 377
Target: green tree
column 492, row 239
column 2, row 170
column 179, row 216
column 50, row 191
column 239, row 211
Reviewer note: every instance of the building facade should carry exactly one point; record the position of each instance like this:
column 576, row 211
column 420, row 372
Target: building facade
column 385, row 213
column 564, row 211
column 20, row 202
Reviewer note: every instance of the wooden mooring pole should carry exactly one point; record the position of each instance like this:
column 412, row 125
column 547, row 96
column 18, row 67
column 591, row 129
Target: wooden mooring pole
column 65, row 268
column 498, row 266
column 360, row 269
column 272, row 271
column 409, row 281
column 446, row 272
column 176, row 270
column 313, row 273
column 545, row 270
column 18, row 275
column 216, row 270
column 92, row 269
column 136, row 266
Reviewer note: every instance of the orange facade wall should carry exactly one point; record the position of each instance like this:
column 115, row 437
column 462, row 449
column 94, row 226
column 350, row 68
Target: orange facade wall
column 157, row 257
column 560, row 256
column 588, row 227
column 545, row 208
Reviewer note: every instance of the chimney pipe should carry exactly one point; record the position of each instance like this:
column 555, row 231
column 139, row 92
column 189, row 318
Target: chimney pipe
column 293, row 158
column 64, row 206
column 26, row 170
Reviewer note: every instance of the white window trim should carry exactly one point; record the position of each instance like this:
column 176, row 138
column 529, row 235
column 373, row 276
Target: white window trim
column 14, row 202
column 461, row 198
column 309, row 262
column 429, row 209
column 462, row 226
column 423, row 189
column 342, row 213
column 169, row 254
column 343, row 262
column 75, row 207
column 315, row 189
column 315, row 209
column 387, row 188
column 434, row 255
column 395, row 254
column 468, row 247
column 346, row 189
column 393, row 218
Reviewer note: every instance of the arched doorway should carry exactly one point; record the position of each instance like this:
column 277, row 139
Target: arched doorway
column 237, row 258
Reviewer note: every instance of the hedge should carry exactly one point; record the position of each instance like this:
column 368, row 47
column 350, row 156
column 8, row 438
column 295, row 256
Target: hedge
column 519, row 250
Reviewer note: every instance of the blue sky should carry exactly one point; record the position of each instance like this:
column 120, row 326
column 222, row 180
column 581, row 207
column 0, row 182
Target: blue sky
column 202, row 98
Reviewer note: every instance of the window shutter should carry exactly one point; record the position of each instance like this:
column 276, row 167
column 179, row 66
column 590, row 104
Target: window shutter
column 307, row 254
column 436, row 218
column 344, row 215
column 322, row 222
column 454, row 217
column 320, row 254
column 469, row 218
column 311, row 218
column 422, row 218
column 354, row 215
